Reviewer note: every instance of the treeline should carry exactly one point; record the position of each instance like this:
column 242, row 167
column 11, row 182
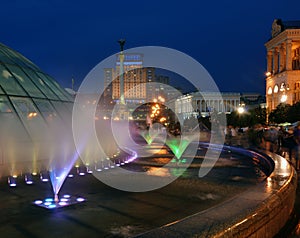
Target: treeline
column 285, row 113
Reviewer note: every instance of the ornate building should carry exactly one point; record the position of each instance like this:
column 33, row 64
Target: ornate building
column 204, row 103
column 283, row 64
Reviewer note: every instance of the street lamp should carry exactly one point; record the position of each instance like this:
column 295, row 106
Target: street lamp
column 159, row 99
column 268, row 74
column 283, row 88
column 283, row 98
column 241, row 108
column 241, row 111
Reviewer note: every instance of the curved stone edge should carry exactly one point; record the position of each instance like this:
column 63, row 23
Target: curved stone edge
column 261, row 211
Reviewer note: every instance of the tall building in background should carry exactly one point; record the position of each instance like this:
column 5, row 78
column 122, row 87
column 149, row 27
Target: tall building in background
column 135, row 79
column 283, row 64
column 131, row 77
column 135, row 84
column 159, row 89
column 108, row 76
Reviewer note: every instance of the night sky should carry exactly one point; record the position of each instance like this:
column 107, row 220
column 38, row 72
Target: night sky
column 68, row 38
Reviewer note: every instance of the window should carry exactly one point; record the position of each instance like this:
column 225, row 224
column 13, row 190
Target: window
column 276, row 88
column 269, row 91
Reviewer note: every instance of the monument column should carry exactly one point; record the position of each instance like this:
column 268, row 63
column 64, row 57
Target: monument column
column 275, row 60
column 269, row 61
column 281, row 58
column 121, row 75
column 288, row 55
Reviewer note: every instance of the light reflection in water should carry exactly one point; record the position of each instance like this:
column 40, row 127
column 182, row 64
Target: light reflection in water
column 158, row 151
column 269, row 185
column 178, row 172
column 160, row 172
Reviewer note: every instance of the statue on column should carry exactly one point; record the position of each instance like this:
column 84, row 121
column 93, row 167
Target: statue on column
column 122, row 43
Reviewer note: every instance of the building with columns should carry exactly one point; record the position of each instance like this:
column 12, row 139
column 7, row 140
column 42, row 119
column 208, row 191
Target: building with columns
column 202, row 104
column 283, row 64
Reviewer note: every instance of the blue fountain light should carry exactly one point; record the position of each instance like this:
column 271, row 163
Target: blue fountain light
column 88, row 169
column 28, row 179
column 12, row 181
column 44, row 176
column 38, row 202
column 81, row 171
column 66, row 200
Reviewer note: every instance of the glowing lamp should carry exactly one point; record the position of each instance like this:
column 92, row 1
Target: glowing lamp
column 283, row 98
column 28, row 179
column 12, row 181
column 241, row 110
column 44, row 176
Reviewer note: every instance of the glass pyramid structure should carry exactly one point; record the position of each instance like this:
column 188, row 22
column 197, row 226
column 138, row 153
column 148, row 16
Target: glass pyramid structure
column 31, row 103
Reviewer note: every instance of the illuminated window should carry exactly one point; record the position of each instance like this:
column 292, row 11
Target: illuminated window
column 269, row 91
column 276, row 88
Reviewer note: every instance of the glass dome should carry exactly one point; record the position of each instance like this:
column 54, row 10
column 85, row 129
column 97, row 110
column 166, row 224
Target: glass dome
column 32, row 105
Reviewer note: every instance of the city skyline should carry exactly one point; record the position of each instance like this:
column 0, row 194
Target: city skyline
column 67, row 39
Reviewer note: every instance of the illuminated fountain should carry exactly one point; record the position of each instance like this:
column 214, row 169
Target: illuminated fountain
column 36, row 126
column 59, row 167
column 148, row 137
column 178, row 147
column 59, row 170
column 154, row 132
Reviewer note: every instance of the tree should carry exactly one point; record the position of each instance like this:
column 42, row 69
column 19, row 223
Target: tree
column 258, row 115
column 294, row 113
column 280, row 114
column 249, row 118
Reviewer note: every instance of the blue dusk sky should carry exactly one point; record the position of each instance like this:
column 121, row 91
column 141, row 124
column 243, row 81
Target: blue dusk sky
column 68, row 38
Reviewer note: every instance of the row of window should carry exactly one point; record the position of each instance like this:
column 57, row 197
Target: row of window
column 283, row 87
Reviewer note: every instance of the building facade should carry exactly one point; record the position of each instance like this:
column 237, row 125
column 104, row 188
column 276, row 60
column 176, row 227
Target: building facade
column 135, row 78
column 253, row 100
column 204, row 103
column 158, row 90
column 283, row 64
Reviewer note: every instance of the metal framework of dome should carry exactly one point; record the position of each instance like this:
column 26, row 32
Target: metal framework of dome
column 30, row 101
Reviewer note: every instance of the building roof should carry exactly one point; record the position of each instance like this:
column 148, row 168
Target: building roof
column 291, row 24
column 29, row 98
column 279, row 26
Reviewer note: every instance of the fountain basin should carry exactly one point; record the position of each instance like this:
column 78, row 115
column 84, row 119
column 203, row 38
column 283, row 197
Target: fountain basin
column 261, row 211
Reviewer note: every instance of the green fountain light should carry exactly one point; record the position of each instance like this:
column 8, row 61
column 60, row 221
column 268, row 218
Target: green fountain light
column 178, row 146
column 149, row 135
column 146, row 135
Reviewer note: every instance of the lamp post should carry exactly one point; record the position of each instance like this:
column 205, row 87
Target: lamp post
column 241, row 110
